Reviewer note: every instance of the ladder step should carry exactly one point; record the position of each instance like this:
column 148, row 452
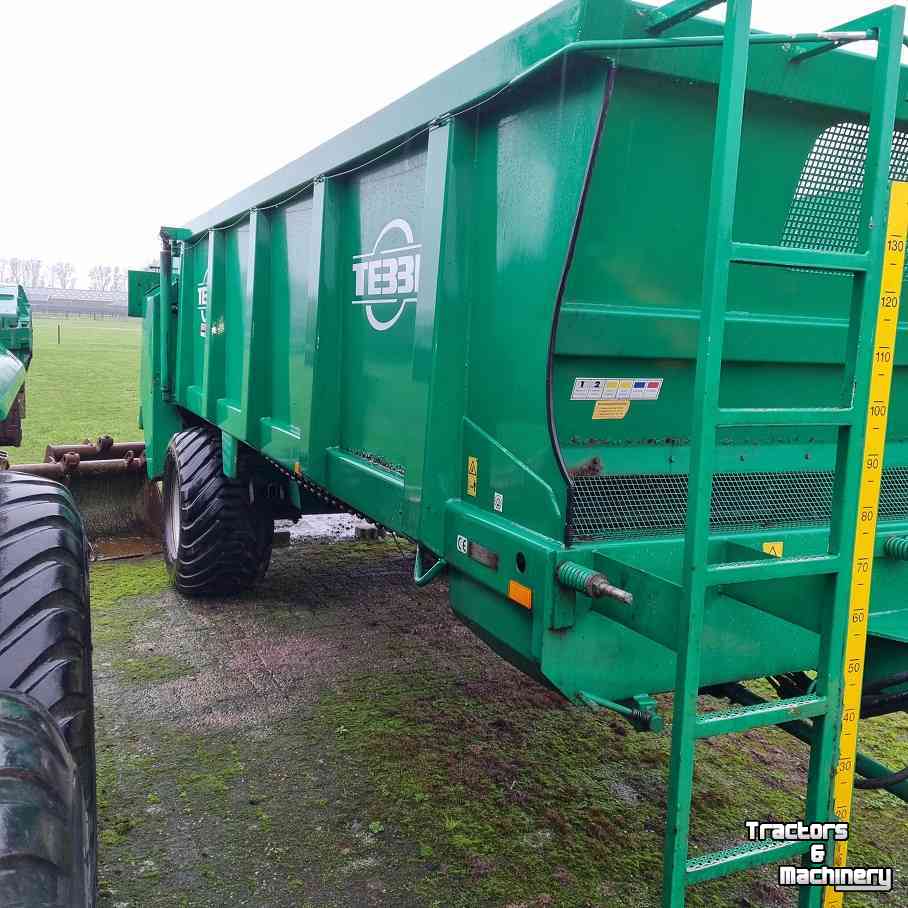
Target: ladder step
column 773, row 569
column 810, row 416
column 741, row 857
column 760, row 715
column 792, row 257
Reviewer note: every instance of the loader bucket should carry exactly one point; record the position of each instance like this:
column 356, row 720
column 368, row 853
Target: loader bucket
column 109, row 483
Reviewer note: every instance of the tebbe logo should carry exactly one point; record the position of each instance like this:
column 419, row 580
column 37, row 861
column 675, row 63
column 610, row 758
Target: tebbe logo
column 203, row 309
column 389, row 274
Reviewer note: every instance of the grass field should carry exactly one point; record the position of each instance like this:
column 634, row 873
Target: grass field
column 337, row 739
column 83, row 387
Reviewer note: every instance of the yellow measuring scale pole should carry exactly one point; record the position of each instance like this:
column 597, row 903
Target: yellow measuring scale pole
column 871, row 476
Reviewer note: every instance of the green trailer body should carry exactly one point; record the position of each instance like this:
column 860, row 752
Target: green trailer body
column 476, row 318
column 15, row 355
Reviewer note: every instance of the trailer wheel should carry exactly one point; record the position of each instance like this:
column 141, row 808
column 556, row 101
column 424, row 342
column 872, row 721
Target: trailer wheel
column 48, row 837
column 216, row 540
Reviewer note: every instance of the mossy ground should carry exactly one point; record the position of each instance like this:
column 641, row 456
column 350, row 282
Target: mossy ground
column 337, row 739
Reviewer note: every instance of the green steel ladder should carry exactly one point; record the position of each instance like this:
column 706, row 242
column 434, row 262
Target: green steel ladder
column 700, row 579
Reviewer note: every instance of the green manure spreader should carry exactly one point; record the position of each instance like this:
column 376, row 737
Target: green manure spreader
column 603, row 319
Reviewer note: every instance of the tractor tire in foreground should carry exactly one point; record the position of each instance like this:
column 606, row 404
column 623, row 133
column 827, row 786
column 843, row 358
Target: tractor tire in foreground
column 217, row 540
column 48, row 819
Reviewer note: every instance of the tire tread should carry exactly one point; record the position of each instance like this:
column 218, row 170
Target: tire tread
column 45, row 655
column 225, row 541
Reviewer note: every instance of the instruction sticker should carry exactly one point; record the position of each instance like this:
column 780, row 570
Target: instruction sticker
column 617, row 389
column 611, row 409
column 588, row 389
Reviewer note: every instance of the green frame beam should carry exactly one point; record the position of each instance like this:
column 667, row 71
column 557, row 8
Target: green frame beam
column 659, row 20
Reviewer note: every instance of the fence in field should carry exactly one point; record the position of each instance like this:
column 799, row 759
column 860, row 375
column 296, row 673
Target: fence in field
column 93, row 304
column 68, row 313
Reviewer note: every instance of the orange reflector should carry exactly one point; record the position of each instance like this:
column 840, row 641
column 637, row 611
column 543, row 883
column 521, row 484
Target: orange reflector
column 520, row 594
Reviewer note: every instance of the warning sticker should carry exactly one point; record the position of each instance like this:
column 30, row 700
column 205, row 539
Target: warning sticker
column 776, row 549
column 611, row 409
column 472, row 475
column 617, row 389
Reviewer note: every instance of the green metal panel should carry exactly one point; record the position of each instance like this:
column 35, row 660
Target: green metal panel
column 786, row 331
column 256, row 389
column 440, row 342
column 323, row 422
column 230, row 329
column 212, row 336
column 382, row 252
column 158, row 418
column 185, row 322
column 193, row 324
column 285, row 390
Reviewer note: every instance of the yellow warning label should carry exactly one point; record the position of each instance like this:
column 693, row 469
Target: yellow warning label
column 865, row 536
column 776, row 549
column 611, row 409
column 472, row 475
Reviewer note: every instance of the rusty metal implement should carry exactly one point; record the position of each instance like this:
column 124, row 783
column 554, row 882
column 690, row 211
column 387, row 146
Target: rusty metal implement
column 108, row 481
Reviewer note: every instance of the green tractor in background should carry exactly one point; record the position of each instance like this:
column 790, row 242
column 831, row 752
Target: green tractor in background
column 48, row 825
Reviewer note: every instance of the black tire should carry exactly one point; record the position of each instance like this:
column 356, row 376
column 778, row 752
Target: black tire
column 45, row 653
column 217, row 541
column 47, row 845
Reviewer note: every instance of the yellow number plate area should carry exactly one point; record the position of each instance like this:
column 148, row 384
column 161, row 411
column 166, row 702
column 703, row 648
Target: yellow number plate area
column 871, row 476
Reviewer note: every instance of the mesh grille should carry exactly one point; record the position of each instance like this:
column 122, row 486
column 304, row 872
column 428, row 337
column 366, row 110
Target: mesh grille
column 655, row 504
column 826, row 209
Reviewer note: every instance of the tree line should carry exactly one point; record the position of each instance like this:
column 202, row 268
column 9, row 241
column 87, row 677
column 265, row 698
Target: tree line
column 61, row 275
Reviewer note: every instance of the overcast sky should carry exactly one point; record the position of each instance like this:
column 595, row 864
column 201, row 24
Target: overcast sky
column 90, row 166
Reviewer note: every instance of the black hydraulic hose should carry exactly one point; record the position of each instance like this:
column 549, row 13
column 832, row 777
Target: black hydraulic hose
column 883, row 705
column 874, row 702
column 562, row 286
column 883, row 781
column 891, row 681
